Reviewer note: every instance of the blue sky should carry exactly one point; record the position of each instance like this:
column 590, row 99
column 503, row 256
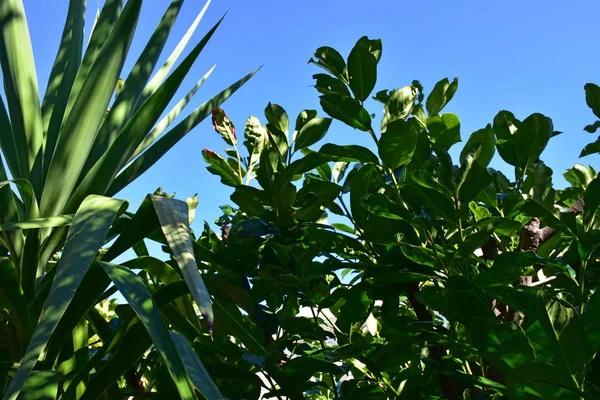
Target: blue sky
column 523, row 56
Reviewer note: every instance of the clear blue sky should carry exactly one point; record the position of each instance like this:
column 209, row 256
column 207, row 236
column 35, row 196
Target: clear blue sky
column 524, row 56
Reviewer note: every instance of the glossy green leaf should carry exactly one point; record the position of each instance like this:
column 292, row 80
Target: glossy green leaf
column 481, row 146
column 442, row 93
column 311, row 132
column 347, row 110
column 362, row 68
column 348, row 153
column 592, row 97
column 398, row 143
column 217, row 165
column 531, row 139
column 327, row 84
column 540, row 380
column 398, row 106
column 444, row 129
column 331, row 61
column 591, row 200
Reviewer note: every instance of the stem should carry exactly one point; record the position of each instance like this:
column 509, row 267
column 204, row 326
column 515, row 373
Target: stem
column 334, row 387
column 239, row 160
column 582, row 285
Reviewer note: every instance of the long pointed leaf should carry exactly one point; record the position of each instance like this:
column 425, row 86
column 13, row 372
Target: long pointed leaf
column 9, row 213
column 170, row 117
column 80, row 128
column 133, row 86
column 103, row 26
column 169, row 139
column 62, row 77
column 48, row 222
column 139, row 298
column 7, row 142
column 13, row 301
column 162, row 73
column 102, row 174
column 86, row 236
column 195, row 369
column 174, row 220
column 20, row 86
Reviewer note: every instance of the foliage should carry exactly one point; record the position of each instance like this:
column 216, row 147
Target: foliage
column 393, row 273
column 92, row 135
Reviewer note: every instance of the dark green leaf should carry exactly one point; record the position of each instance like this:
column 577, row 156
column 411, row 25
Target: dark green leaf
column 442, row 93
column 349, row 153
column 444, row 129
column 531, row 139
column 219, row 166
column 347, row 110
column 398, row 143
column 480, row 146
column 327, row 84
column 362, row 68
column 311, row 132
column 331, row 61
column 398, row 106
column 592, row 97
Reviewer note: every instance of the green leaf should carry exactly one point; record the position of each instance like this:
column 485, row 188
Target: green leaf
column 398, row 143
column 21, row 89
column 540, row 380
column 442, row 93
column 162, row 73
column 42, row 385
column 86, row 236
column 480, row 146
column 303, row 118
column 503, row 226
column 533, row 208
column 444, row 130
column 592, row 97
column 591, row 148
column 362, row 67
column 311, row 132
column 327, row 84
column 398, row 106
column 139, row 298
column 102, row 174
column 168, row 119
column 13, row 301
column 301, row 369
column 593, row 127
column 505, row 345
column 169, row 139
column 348, row 153
column 531, row 139
column 131, row 90
column 255, row 139
column 331, row 61
column 347, row 110
column 380, row 205
column 81, row 125
column 195, row 369
column 277, row 117
column 174, row 219
column 591, row 200
column 473, row 180
column 62, row 76
column 505, row 125
column 508, row 267
column 219, row 166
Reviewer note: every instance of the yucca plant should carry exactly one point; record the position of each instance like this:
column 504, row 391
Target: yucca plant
column 90, row 136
